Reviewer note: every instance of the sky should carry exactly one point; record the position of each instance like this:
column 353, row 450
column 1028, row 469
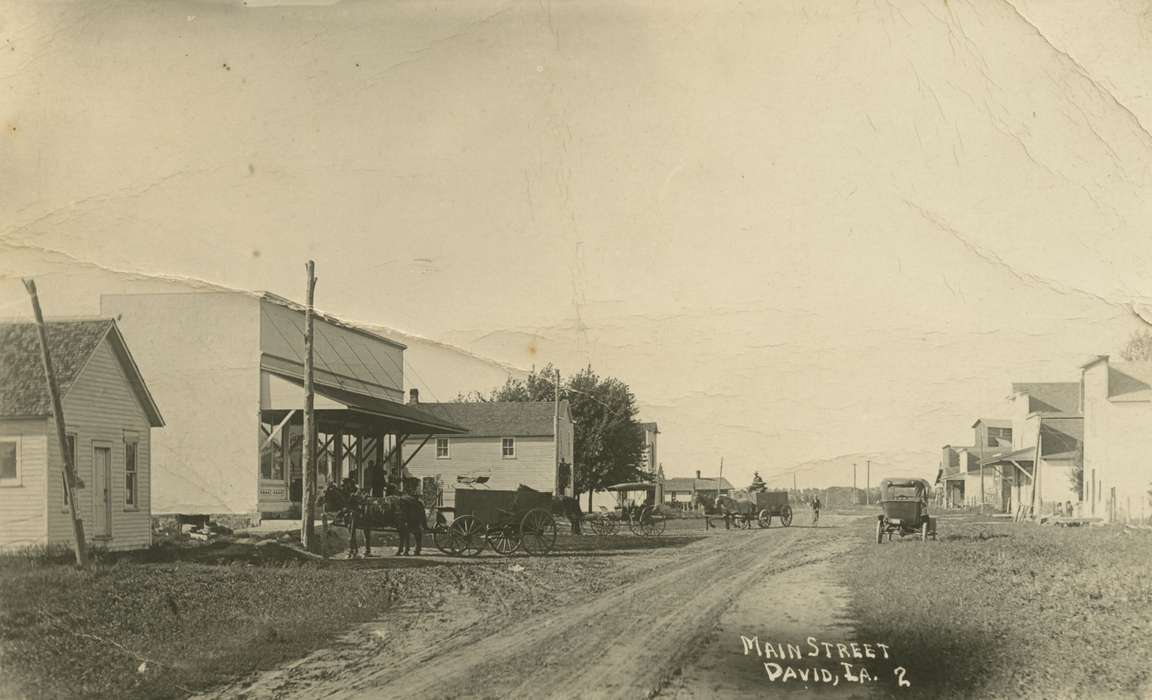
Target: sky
column 804, row 233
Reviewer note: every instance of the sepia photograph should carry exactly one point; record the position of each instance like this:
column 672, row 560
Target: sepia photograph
column 363, row 349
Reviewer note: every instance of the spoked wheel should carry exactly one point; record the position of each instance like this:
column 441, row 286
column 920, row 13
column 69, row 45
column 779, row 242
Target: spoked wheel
column 442, row 537
column 764, row 518
column 602, row 526
column 879, row 532
column 653, row 525
column 786, row 516
column 467, row 536
column 538, row 532
column 505, row 540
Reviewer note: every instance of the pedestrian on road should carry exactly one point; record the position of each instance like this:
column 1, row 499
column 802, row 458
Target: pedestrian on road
column 815, row 510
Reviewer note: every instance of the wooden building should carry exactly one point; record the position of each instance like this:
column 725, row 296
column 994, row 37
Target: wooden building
column 231, row 366
column 109, row 415
column 507, row 443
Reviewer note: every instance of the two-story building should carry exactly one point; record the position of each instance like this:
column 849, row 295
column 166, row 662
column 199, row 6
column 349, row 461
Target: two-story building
column 1117, row 467
column 983, row 487
column 229, row 368
column 1047, row 433
column 505, row 444
column 954, row 464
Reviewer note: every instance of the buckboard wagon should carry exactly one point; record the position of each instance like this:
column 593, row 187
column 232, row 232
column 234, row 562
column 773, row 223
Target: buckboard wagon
column 507, row 521
column 744, row 511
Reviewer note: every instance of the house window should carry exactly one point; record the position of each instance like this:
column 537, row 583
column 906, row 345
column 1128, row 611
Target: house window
column 508, row 448
column 442, row 449
column 131, row 483
column 9, row 461
column 70, row 438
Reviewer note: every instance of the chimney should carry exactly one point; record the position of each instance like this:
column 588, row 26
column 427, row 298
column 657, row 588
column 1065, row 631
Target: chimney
column 697, row 473
column 413, row 395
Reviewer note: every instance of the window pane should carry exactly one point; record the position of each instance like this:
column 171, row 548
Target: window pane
column 7, row 460
column 130, row 488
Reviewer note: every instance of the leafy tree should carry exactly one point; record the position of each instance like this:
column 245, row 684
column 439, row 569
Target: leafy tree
column 608, row 441
column 1139, row 347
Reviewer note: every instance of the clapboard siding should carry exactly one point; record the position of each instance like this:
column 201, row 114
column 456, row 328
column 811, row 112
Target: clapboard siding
column 101, row 409
column 22, row 507
column 534, row 465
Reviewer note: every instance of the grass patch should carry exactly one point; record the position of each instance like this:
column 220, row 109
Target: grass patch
column 135, row 629
column 1008, row 610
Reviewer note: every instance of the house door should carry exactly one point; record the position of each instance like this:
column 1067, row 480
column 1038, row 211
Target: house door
column 102, row 493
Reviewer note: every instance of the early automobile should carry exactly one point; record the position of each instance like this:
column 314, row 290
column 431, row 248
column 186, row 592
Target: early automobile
column 905, row 510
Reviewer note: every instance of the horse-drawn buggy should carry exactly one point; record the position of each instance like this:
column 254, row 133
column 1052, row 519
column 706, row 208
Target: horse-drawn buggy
column 905, row 510
column 642, row 518
column 507, row 521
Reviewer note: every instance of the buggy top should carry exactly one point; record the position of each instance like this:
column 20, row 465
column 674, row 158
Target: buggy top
column 904, row 489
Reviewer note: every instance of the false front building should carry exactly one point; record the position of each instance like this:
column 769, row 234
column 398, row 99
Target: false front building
column 231, row 366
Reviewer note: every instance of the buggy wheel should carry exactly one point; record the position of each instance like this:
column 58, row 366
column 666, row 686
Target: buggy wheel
column 924, row 531
column 764, row 518
column 467, row 536
column 538, row 532
column 602, row 525
column 653, row 525
column 879, row 532
column 504, row 539
column 442, row 537
column 786, row 516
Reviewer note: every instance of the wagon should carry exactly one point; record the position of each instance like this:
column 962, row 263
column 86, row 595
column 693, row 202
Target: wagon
column 506, row 521
column 642, row 519
column 905, row 510
column 773, row 504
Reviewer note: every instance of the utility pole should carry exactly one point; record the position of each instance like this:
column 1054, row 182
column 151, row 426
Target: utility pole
column 308, row 512
column 795, row 489
column 868, row 485
column 556, row 440
column 720, row 477
column 70, row 479
column 854, row 483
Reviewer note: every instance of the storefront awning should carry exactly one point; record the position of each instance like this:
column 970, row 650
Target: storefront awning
column 375, row 412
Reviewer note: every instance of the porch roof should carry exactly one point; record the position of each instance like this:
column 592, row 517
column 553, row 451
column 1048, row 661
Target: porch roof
column 371, row 412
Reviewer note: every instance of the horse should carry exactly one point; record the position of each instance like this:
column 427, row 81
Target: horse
column 735, row 511
column 569, row 507
column 357, row 510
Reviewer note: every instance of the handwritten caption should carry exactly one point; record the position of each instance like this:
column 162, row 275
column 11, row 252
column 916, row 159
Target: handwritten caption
column 829, row 663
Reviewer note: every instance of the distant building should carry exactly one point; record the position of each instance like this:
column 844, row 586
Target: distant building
column 108, row 414
column 684, row 489
column 1117, row 439
column 649, row 458
column 983, row 487
column 1047, row 428
column 506, row 443
column 954, row 462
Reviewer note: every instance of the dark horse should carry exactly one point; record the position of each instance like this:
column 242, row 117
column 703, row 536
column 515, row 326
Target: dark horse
column 569, row 507
column 357, row 510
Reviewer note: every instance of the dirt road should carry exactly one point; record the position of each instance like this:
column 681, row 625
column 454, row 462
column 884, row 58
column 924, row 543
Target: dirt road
column 671, row 626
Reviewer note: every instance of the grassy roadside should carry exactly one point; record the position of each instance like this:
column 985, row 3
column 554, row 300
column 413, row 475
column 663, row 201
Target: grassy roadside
column 173, row 622
column 1008, row 610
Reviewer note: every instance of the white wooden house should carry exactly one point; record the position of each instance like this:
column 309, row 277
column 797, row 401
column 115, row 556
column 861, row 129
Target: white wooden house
column 1117, row 440
column 506, row 444
column 109, row 415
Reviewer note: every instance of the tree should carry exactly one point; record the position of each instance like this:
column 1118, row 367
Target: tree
column 1139, row 347
column 608, row 441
